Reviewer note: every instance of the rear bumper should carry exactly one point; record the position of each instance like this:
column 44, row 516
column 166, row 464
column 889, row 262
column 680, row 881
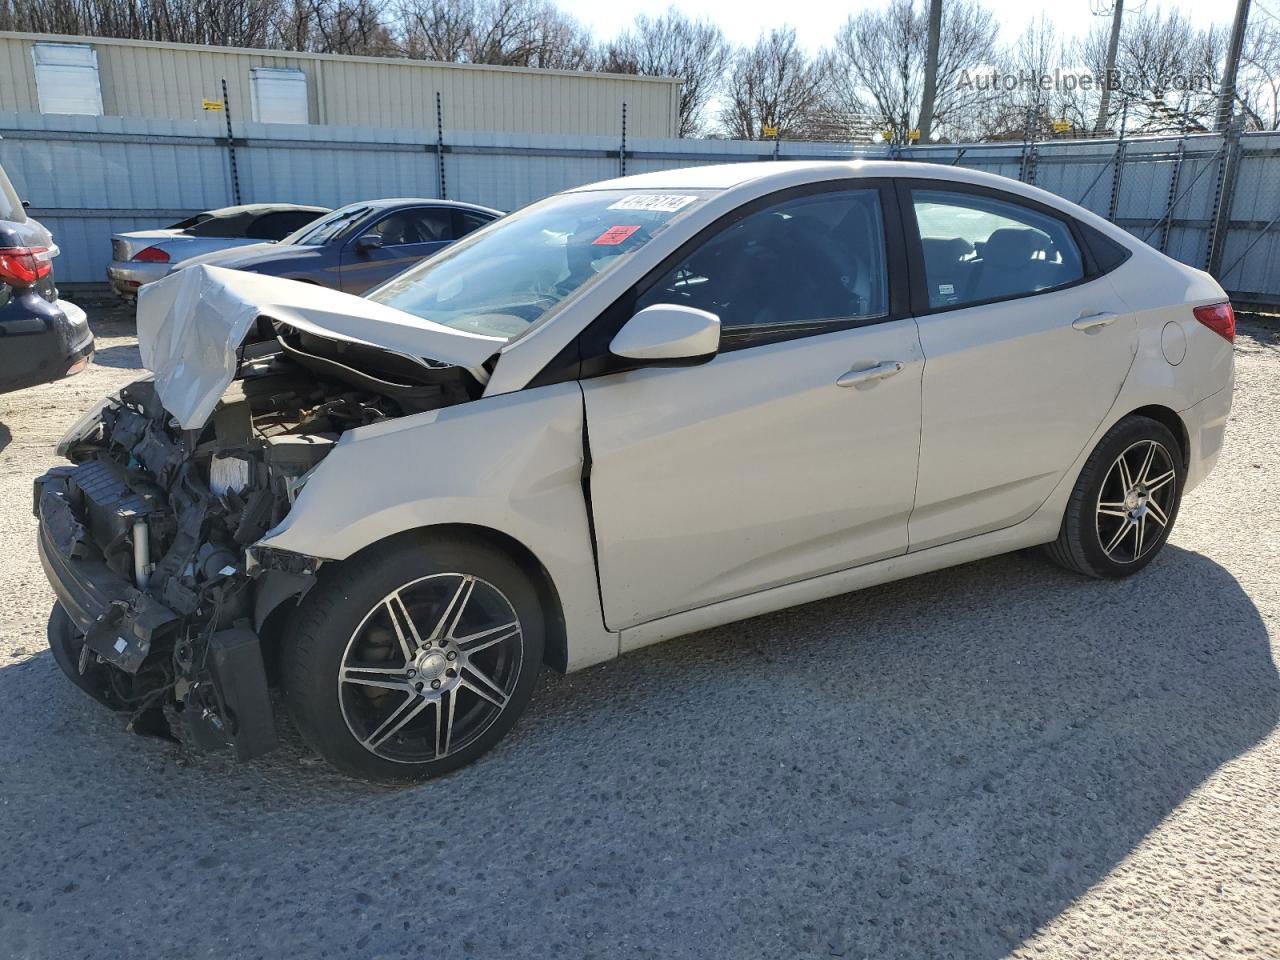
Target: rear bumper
column 126, row 276
column 41, row 341
column 1206, row 424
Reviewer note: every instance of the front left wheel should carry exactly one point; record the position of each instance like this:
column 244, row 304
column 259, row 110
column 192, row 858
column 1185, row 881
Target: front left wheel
column 415, row 659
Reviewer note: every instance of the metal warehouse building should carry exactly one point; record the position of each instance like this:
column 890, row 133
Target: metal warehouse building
column 132, row 78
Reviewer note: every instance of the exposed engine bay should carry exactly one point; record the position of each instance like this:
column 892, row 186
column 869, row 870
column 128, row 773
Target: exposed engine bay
column 148, row 536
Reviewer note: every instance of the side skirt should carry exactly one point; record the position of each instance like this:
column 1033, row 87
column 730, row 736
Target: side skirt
column 1042, row 527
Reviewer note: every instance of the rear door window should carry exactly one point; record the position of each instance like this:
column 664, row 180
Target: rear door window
column 978, row 248
column 421, row 225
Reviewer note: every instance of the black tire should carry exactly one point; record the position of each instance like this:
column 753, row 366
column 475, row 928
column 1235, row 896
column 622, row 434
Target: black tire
column 350, row 618
column 66, row 642
column 1090, row 520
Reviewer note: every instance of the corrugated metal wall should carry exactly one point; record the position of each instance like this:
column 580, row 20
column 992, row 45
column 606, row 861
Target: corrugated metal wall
column 171, row 81
column 89, row 177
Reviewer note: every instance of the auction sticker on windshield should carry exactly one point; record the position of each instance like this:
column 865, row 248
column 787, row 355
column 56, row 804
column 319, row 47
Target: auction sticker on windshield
column 614, row 236
column 658, row 202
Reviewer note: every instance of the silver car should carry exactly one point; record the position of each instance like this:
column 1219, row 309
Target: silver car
column 143, row 256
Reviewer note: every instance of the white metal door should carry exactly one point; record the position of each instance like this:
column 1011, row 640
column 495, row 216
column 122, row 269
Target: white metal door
column 753, row 470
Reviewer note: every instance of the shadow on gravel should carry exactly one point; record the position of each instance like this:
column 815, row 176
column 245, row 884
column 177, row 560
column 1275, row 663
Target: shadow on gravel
column 6, row 435
column 125, row 357
column 936, row 768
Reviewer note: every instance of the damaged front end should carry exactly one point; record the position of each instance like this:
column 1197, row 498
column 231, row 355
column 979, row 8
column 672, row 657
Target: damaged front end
column 148, row 537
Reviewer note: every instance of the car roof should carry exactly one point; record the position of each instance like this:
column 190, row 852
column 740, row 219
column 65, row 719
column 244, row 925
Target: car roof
column 252, row 208
column 725, row 176
column 748, row 180
column 416, row 201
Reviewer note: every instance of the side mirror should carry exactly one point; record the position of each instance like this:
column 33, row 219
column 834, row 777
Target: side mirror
column 668, row 334
column 370, row 241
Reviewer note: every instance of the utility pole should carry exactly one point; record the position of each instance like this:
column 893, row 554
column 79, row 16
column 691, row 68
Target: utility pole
column 931, row 70
column 1117, row 14
column 1226, row 99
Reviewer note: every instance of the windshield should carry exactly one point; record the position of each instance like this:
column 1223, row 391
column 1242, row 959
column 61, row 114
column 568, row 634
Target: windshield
column 502, row 279
column 328, row 228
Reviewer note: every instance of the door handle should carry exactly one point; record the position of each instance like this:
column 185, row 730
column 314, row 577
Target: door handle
column 880, row 371
column 1094, row 321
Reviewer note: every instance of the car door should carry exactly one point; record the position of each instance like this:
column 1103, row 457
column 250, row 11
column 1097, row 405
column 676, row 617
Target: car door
column 406, row 236
column 1026, row 346
column 793, row 452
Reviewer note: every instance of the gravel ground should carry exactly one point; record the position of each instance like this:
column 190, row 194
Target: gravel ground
column 996, row 760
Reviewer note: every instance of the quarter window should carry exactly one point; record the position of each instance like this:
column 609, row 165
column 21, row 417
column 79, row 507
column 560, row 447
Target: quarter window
column 801, row 266
column 978, row 248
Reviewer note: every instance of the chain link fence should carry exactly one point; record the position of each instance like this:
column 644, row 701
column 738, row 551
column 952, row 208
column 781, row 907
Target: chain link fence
column 1209, row 200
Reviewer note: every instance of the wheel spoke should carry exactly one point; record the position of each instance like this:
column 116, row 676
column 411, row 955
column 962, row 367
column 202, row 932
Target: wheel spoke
column 1156, row 511
column 402, row 622
column 1140, row 535
column 453, row 612
column 396, row 721
column 479, row 683
column 388, row 678
column 1160, row 481
column 1112, row 510
column 444, row 723
column 1146, row 462
column 475, row 642
column 1118, row 538
column 1126, row 479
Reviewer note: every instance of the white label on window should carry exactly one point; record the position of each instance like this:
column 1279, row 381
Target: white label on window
column 657, row 202
column 946, row 289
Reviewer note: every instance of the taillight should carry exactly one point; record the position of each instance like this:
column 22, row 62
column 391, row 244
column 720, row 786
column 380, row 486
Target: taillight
column 1219, row 318
column 152, row 255
column 23, row 266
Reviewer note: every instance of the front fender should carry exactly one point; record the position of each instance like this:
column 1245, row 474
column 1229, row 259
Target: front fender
column 510, row 463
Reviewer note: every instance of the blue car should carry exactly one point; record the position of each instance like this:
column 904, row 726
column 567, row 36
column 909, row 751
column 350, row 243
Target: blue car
column 358, row 246
column 42, row 338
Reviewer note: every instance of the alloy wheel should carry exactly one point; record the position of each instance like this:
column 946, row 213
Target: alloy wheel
column 1135, row 501
column 430, row 668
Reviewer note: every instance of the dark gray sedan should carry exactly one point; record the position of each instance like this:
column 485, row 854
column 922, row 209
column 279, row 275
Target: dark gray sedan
column 358, row 246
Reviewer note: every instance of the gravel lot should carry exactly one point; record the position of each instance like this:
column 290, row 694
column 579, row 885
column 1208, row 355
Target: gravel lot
column 996, row 760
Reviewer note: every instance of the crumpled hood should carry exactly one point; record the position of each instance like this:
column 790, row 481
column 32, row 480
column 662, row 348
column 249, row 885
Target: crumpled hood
column 191, row 323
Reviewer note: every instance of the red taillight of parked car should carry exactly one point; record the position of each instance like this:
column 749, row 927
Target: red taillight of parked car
column 1219, row 318
column 151, row 255
column 23, row 266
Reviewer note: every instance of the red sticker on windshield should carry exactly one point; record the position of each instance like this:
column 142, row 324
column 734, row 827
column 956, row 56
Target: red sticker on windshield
column 613, row 236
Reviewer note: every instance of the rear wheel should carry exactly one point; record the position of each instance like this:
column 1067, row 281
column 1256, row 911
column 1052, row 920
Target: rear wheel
column 414, row 660
column 1124, row 503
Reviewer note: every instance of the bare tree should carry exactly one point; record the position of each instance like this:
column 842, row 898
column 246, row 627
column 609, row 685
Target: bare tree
column 335, row 26
column 672, row 45
column 521, row 33
column 773, row 84
column 1258, row 86
column 878, row 63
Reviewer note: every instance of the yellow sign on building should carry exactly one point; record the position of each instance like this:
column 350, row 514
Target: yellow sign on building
column 212, row 104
